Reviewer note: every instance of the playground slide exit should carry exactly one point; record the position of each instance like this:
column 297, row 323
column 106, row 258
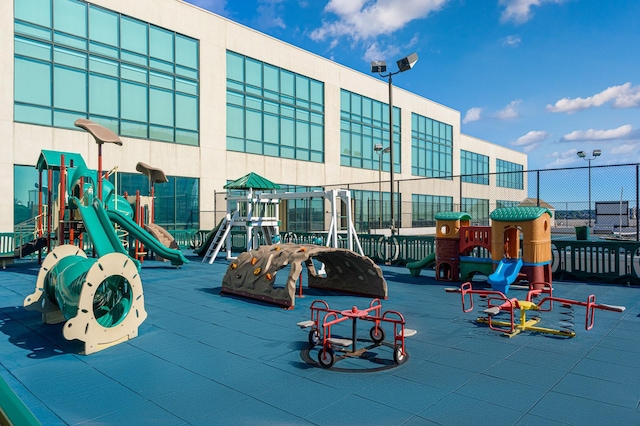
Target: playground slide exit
column 175, row 256
column 416, row 267
column 505, row 274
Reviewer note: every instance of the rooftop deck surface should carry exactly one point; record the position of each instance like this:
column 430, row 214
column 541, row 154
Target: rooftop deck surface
column 204, row 358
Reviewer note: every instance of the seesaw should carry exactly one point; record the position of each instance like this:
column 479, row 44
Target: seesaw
column 498, row 303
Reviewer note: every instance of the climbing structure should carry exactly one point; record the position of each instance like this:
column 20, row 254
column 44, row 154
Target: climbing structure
column 448, row 226
column 530, row 226
column 253, row 273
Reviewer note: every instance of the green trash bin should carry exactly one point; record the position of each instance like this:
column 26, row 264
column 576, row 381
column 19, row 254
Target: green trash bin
column 582, row 233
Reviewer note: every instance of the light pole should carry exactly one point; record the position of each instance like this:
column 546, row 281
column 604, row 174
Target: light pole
column 596, row 153
column 379, row 150
column 380, row 67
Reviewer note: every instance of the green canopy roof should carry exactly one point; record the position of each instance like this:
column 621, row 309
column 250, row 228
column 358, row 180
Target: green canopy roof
column 453, row 216
column 51, row 160
column 252, row 181
column 518, row 214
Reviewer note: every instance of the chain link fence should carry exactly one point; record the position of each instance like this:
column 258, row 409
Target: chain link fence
column 603, row 198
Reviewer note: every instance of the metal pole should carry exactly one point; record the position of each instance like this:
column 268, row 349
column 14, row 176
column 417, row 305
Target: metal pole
column 380, row 189
column 637, row 203
column 538, row 188
column 393, row 222
column 589, row 207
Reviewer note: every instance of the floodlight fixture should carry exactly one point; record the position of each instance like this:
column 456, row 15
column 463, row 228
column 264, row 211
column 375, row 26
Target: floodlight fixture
column 378, row 147
column 408, row 62
column 596, row 153
column 378, row 67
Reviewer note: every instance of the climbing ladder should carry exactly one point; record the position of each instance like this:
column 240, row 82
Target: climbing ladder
column 219, row 238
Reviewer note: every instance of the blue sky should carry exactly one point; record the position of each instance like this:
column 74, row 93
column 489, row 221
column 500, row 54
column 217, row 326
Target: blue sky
column 545, row 77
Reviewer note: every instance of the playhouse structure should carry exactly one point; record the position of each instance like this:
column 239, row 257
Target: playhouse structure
column 455, row 240
column 257, row 210
column 523, row 233
column 519, row 241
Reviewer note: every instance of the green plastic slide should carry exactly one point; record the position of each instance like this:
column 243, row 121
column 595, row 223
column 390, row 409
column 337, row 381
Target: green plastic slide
column 418, row 265
column 175, row 256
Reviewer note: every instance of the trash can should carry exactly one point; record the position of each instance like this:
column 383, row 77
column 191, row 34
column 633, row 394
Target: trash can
column 582, row 233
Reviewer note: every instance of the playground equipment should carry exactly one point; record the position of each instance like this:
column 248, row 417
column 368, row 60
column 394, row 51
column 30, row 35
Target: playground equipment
column 145, row 212
column 533, row 225
column 417, row 266
column 498, row 303
column 258, row 212
column 253, row 273
column 100, row 299
column 519, row 241
column 323, row 319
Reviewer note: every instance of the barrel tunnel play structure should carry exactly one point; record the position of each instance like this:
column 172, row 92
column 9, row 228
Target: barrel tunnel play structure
column 100, row 299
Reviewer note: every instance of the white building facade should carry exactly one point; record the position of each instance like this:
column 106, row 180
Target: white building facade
column 208, row 100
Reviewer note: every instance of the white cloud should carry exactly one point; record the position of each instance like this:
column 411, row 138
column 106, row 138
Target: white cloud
column 531, row 147
column 624, row 149
column 269, row 14
column 367, row 19
column 374, row 53
column 561, row 159
column 533, row 137
column 519, row 11
column 473, row 114
column 621, row 132
column 511, row 41
column 623, row 96
column 508, row 112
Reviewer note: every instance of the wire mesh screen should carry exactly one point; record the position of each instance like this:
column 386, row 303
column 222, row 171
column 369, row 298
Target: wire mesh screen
column 604, row 198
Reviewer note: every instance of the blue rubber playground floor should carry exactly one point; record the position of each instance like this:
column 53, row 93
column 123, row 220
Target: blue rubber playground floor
column 206, row 359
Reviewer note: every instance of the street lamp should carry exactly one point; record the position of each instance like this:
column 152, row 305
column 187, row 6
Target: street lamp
column 380, row 67
column 596, row 153
column 379, row 150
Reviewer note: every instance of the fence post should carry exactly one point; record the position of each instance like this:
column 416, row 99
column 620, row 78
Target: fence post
column 637, row 202
column 538, row 188
column 460, row 200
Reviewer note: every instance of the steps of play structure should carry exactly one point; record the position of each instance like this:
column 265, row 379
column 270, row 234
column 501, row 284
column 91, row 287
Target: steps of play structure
column 219, row 238
column 340, row 342
column 409, row 332
column 494, row 310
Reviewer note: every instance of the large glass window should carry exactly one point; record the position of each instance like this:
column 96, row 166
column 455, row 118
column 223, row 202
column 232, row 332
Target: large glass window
column 364, row 123
column 176, row 202
column 272, row 111
column 431, row 147
column 425, row 207
column 77, row 60
column 370, row 211
column 474, row 167
column 478, row 208
column 304, row 214
column 509, row 175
